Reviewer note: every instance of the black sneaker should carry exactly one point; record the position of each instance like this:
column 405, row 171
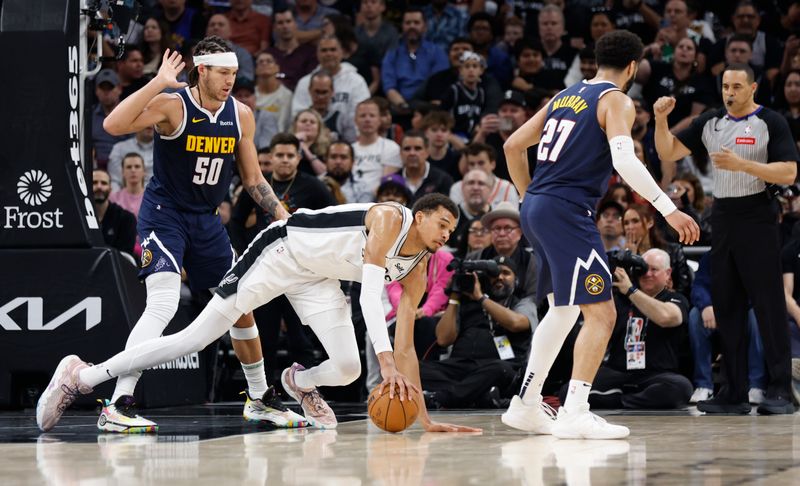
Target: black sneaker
column 431, row 400
column 720, row 404
column 778, row 405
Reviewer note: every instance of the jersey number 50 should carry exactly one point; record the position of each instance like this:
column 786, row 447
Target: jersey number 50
column 207, row 171
column 553, row 126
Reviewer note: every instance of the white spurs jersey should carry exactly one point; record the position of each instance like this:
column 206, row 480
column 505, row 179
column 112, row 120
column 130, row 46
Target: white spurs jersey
column 330, row 242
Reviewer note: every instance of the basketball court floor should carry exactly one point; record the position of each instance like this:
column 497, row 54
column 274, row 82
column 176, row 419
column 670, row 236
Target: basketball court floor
column 212, row 445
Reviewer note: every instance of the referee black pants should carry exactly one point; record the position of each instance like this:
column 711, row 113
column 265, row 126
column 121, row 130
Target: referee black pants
column 746, row 268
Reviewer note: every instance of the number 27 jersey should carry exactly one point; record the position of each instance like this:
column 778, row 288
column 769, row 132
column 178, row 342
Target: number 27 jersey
column 573, row 157
column 193, row 167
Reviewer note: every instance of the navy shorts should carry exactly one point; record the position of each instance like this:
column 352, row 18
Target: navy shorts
column 173, row 239
column 570, row 255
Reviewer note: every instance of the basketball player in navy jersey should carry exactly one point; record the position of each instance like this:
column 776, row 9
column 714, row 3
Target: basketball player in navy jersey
column 582, row 133
column 200, row 131
column 304, row 258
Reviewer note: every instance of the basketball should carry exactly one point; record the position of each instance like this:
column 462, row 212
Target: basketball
column 391, row 414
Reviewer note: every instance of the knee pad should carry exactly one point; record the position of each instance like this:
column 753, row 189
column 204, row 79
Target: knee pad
column 163, row 295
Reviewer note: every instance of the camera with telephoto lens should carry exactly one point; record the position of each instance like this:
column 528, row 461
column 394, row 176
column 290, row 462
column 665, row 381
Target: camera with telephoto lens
column 464, row 282
column 633, row 264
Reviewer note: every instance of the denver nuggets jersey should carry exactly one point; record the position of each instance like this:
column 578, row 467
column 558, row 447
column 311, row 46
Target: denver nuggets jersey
column 573, row 157
column 193, row 167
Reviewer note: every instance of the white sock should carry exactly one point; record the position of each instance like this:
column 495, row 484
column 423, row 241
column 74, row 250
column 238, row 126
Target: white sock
column 577, row 394
column 256, row 378
column 547, row 340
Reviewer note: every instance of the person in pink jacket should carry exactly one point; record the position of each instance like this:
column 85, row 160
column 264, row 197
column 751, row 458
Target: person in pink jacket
column 438, row 276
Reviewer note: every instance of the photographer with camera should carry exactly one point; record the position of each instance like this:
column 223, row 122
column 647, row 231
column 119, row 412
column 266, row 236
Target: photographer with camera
column 641, row 369
column 490, row 329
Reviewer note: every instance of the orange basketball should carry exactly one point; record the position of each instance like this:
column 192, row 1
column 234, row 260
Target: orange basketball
column 391, row 415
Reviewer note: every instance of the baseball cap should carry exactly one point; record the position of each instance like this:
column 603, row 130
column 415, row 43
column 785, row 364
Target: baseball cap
column 608, row 204
column 507, row 261
column 514, row 97
column 396, row 181
column 106, row 76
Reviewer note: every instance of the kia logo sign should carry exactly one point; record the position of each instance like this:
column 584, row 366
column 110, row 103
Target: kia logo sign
column 91, row 307
column 34, row 188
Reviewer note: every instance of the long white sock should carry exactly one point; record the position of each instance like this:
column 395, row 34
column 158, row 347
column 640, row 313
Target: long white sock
column 256, row 378
column 163, row 294
column 335, row 331
column 577, row 394
column 215, row 320
column 547, row 340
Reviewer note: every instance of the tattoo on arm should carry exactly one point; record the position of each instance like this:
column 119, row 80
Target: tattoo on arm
column 263, row 196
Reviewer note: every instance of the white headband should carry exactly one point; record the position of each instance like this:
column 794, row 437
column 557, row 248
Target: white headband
column 218, row 59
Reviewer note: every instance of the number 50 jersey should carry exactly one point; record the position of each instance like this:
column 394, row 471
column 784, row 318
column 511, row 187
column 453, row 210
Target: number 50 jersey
column 193, row 167
column 573, row 158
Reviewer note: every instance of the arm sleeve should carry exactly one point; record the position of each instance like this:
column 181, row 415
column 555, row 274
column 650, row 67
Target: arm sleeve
column 635, row 174
column 781, row 146
column 372, row 308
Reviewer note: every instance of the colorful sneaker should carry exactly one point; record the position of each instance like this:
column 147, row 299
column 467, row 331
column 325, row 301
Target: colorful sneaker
column 63, row 389
column 537, row 418
column 270, row 408
column 317, row 412
column 121, row 417
column 583, row 424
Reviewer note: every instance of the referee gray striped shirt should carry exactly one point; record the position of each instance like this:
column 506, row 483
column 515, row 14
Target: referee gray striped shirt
column 762, row 136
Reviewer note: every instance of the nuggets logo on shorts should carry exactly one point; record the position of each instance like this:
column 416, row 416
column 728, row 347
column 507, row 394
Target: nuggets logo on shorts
column 147, row 257
column 594, row 284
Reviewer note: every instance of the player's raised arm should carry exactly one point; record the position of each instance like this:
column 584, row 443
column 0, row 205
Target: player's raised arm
column 413, row 289
column 247, row 160
column 616, row 113
column 516, row 149
column 149, row 106
column 383, row 226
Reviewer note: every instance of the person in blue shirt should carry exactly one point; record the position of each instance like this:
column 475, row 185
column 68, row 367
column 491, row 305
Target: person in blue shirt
column 406, row 67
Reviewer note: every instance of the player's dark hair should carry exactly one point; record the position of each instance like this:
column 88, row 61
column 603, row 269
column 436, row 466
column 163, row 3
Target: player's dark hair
column 476, row 148
column 344, row 144
column 415, row 134
column 210, row 45
column 617, row 49
column 284, row 138
column 431, row 202
column 739, row 38
column 751, row 76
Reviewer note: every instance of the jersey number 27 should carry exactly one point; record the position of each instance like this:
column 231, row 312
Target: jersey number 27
column 207, row 171
column 551, row 128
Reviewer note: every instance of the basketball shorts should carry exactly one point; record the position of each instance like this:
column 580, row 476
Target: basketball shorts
column 268, row 269
column 571, row 259
column 173, row 239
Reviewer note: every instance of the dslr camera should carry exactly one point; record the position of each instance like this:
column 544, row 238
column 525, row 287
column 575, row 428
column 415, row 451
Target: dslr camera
column 633, row 264
column 463, row 281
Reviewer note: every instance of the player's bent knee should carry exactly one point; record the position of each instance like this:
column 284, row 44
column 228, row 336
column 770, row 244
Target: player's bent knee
column 349, row 369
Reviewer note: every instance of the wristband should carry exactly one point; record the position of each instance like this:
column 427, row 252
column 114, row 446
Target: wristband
column 483, row 297
column 453, row 302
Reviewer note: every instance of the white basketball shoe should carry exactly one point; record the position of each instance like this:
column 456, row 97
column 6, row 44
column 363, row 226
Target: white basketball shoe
column 538, row 418
column 580, row 423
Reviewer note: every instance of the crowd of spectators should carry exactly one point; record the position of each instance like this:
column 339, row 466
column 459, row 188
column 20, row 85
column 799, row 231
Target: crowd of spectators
column 394, row 99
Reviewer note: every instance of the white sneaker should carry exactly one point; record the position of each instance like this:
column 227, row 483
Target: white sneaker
column 700, row 394
column 122, row 417
column 580, row 423
column 755, row 396
column 537, row 418
column 63, row 389
column 270, row 408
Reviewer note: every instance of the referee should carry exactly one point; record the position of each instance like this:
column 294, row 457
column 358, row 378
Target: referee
column 750, row 146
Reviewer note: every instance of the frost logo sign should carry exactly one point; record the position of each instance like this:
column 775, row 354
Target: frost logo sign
column 34, row 188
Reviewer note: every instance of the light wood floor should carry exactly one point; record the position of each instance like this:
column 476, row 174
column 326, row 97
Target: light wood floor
column 672, row 449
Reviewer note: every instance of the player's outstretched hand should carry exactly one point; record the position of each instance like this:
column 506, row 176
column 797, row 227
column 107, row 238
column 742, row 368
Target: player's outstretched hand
column 443, row 427
column 663, row 106
column 685, row 225
column 405, row 386
column 171, row 67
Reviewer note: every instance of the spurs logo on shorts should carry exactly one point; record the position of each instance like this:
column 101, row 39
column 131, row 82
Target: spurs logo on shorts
column 594, row 284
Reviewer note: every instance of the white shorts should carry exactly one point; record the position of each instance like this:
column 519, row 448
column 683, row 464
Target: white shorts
column 268, row 269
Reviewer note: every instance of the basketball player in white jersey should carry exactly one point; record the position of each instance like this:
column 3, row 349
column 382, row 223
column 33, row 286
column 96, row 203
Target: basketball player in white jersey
column 304, row 258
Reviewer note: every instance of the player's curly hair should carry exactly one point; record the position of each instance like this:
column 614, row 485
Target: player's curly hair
column 431, row 202
column 617, row 49
column 210, row 45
